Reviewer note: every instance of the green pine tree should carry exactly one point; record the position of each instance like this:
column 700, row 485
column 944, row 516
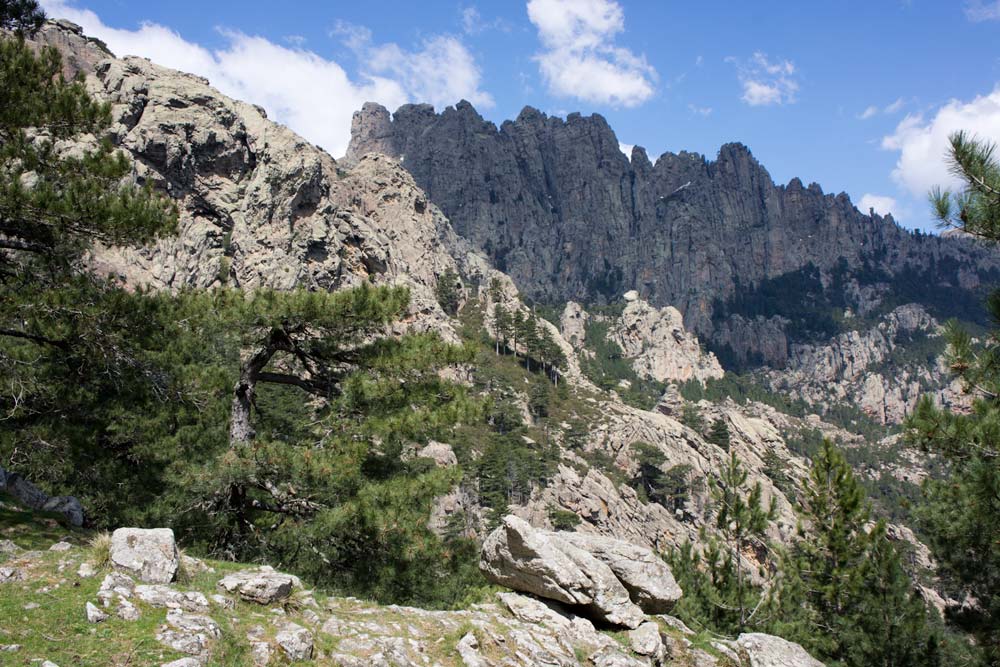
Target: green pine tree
column 741, row 519
column 449, row 291
column 504, row 325
column 961, row 517
column 718, row 434
column 73, row 346
column 718, row 591
column 845, row 594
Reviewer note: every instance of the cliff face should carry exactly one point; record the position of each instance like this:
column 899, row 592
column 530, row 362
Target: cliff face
column 884, row 369
column 556, row 205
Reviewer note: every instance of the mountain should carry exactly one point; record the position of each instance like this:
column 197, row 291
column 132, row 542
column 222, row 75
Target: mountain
column 556, row 205
column 650, row 251
column 260, row 206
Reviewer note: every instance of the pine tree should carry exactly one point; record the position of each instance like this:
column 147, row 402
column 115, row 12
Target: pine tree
column 649, row 480
column 448, row 291
column 504, row 326
column 718, row 591
column 718, row 434
column 73, row 346
column 846, row 596
column 961, row 517
column 691, row 417
column 23, row 17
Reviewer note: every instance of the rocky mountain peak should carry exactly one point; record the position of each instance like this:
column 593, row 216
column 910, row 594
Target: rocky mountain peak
column 556, row 205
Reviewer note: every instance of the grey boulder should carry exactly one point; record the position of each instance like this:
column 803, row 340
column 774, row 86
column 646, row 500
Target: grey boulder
column 149, row 554
column 769, row 651
column 263, row 585
column 533, row 561
column 296, row 642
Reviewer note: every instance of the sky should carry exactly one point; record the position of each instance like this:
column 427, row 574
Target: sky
column 856, row 95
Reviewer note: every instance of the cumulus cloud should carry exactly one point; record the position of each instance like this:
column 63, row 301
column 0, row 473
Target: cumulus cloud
column 580, row 58
column 442, row 72
column 766, row 82
column 312, row 95
column 922, row 143
column 883, row 205
column 627, row 149
column 980, row 10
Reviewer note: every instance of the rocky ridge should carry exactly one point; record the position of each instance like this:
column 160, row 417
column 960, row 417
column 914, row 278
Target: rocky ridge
column 259, row 206
column 556, row 205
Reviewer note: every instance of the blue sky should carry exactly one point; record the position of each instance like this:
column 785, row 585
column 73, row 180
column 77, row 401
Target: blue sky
column 858, row 96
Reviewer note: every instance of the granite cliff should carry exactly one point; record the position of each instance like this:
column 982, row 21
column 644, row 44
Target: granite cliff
column 555, row 204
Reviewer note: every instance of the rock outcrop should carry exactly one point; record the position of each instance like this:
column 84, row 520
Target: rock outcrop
column 260, row 206
column 648, row 580
column 615, row 581
column 31, row 496
column 883, row 370
column 262, row 586
column 659, row 346
column 654, row 340
column 770, row 651
column 520, row 557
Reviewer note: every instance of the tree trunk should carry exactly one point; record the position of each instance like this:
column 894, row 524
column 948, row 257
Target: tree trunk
column 244, row 392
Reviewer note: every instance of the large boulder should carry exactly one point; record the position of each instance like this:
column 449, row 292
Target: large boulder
column 149, row 554
column 524, row 559
column 769, row 651
column 647, row 578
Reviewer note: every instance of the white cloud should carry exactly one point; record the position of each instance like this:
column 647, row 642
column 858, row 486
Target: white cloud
column 922, row 143
column 312, row 95
column 580, row 58
column 980, row 10
column 473, row 22
column 766, row 83
column 888, row 109
column 895, row 106
column 883, row 205
column 627, row 149
column 700, row 111
column 442, row 72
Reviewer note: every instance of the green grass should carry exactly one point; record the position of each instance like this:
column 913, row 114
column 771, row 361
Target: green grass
column 58, row 630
